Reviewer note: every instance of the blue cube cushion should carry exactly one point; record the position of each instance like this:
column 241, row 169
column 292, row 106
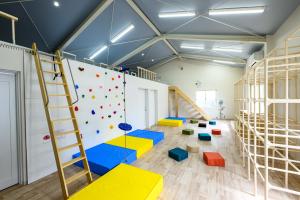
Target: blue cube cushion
column 104, row 157
column 147, row 134
column 178, row 118
column 204, row 137
column 178, row 154
column 212, row 122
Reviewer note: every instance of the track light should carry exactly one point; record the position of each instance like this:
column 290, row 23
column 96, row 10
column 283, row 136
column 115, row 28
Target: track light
column 187, row 46
column 237, row 11
column 122, row 33
column 224, row 62
column 177, row 14
column 98, row 52
column 227, row 50
column 56, row 3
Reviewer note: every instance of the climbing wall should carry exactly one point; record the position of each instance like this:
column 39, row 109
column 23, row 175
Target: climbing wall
column 100, row 101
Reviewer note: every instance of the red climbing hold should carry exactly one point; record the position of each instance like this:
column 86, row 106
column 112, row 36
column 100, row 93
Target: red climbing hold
column 97, row 75
column 46, row 137
column 76, row 108
column 90, row 90
column 119, row 76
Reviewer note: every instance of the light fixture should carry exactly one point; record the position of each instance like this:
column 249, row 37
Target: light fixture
column 187, row 46
column 224, row 62
column 142, row 54
column 98, row 52
column 227, row 50
column 177, row 14
column 152, row 60
column 56, row 3
column 237, row 11
column 122, row 33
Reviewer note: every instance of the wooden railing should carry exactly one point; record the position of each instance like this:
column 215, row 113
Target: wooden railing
column 146, row 74
column 13, row 20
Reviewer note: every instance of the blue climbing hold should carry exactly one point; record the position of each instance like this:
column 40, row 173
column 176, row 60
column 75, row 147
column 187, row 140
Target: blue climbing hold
column 125, row 126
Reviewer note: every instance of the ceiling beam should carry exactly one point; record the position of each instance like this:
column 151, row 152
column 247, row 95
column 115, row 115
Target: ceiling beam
column 137, row 50
column 135, row 7
column 211, row 58
column 222, row 38
column 98, row 10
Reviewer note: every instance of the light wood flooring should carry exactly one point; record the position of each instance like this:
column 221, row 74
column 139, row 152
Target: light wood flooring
column 190, row 179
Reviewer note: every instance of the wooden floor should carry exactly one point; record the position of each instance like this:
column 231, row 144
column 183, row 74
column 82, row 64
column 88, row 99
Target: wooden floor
column 187, row 180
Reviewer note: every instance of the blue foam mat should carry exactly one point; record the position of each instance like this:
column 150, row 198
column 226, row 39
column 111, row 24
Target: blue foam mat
column 152, row 135
column 104, row 157
column 178, row 118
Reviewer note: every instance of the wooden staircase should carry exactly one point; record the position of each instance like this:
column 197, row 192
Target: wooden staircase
column 180, row 94
column 61, row 166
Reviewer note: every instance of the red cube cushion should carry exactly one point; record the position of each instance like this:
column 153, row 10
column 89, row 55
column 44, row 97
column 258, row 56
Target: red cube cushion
column 216, row 131
column 213, row 159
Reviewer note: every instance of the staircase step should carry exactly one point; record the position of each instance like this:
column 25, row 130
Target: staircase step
column 76, row 176
column 71, row 162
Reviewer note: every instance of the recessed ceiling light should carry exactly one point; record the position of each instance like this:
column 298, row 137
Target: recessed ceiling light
column 142, row 54
column 98, row 52
column 56, row 3
column 224, row 62
column 187, row 46
column 122, row 33
column 237, row 11
column 227, row 50
column 152, row 60
column 177, row 14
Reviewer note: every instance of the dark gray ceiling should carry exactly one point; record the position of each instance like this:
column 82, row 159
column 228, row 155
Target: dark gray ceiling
column 41, row 22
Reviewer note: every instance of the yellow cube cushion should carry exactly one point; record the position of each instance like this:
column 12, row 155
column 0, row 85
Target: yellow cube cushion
column 170, row 122
column 141, row 145
column 124, row 182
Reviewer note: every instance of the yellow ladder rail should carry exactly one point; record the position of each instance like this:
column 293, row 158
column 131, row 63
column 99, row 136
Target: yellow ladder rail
column 51, row 122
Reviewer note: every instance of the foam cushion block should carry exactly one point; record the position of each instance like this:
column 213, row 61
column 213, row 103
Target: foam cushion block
column 193, row 121
column 188, row 131
column 155, row 136
column 204, row 137
column 216, row 131
column 213, row 159
column 178, row 154
column 202, row 125
column 192, row 147
column 123, row 182
column 141, row 145
column 170, row 122
column 104, row 157
column 178, row 118
column 212, row 122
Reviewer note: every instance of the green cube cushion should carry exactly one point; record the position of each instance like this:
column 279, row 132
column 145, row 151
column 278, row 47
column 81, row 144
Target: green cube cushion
column 193, row 121
column 188, row 131
column 178, row 154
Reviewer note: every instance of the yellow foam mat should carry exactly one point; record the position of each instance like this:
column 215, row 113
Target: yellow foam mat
column 124, row 182
column 170, row 122
column 141, row 145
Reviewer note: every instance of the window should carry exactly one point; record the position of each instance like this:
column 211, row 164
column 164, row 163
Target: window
column 206, row 98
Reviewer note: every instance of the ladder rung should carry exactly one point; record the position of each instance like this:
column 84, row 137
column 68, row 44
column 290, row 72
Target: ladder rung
column 68, row 147
column 53, row 83
column 50, row 61
column 58, row 95
column 57, row 107
column 62, row 119
column 76, row 176
column 65, row 133
column 51, row 72
column 71, row 162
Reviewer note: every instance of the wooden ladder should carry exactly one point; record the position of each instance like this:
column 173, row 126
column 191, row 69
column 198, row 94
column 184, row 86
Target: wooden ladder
column 51, row 122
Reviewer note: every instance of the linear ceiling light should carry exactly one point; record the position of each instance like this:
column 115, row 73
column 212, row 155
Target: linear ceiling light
column 237, row 11
column 186, row 46
column 122, row 33
column 227, row 50
column 224, row 62
column 177, row 14
column 98, row 52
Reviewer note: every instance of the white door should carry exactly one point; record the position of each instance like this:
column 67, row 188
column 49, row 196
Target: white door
column 8, row 134
column 152, row 102
column 142, row 109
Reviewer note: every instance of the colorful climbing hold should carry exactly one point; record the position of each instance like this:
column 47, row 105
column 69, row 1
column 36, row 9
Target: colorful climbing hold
column 93, row 112
column 105, row 73
column 46, row 137
column 76, row 87
column 81, row 69
column 115, row 112
column 119, row 104
column 117, row 96
column 76, row 108
column 93, row 97
column 109, row 89
column 112, row 78
column 83, row 96
column 102, row 117
column 86, row 122
column 109, row 116
column 90, row 90
column 106, row 96
column 97, row 131
column 111, row 126
column 97, row 75
column 101, row 107
column 100, row 86
column 110, row 105
column 119, row 76
column 117, row 87
column 121, row 116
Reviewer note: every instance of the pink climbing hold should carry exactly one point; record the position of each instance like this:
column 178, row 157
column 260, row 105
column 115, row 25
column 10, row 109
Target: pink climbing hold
column 115, row 112
column 90, row 90
column 46, row 137
column 119, row 76
column 109, row 90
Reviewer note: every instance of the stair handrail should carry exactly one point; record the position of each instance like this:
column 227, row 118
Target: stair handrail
column 13, row 20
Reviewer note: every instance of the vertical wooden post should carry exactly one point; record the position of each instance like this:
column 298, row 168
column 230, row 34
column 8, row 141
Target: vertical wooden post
column 176, row 104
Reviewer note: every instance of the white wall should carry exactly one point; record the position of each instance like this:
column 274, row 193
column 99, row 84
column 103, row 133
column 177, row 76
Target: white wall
column 212, row 76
